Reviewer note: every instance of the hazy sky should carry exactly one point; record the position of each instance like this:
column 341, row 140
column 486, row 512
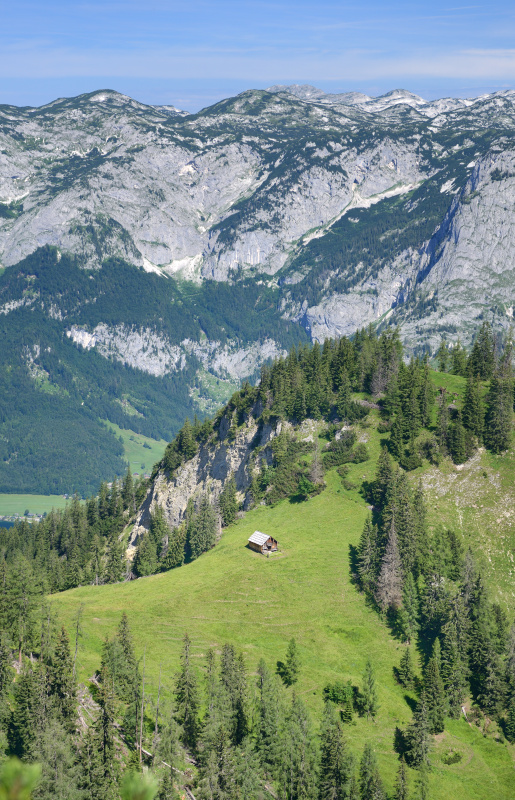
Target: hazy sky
column 191, row 53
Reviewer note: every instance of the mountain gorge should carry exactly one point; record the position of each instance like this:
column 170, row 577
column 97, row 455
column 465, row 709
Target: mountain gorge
column 153, row 259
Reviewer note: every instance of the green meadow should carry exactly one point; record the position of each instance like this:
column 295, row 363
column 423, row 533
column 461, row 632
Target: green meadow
column 140, row 451
column 232, row 594
column 34, row 503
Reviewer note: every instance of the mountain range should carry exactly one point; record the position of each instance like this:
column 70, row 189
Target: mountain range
column 153, row 259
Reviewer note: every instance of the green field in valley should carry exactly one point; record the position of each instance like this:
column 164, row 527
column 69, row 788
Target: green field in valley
column 232, row 594
column 34, row 503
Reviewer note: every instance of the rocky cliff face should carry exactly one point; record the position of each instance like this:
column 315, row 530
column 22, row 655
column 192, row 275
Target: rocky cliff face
column 263, row 185
column 207, row 473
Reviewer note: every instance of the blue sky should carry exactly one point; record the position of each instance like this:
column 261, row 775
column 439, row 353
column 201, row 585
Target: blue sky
column 191, row 53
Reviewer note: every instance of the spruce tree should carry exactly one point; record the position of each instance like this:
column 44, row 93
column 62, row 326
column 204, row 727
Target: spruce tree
column 442, row 356
column 409, row 613
column 128, row 495
column 442, row 425
column 336, row 765
column 367, row 556
column 434, row 691
column 186, row 695
column 482, row 360
column 458, row 360
column 473, row 412
column 510, row 720
column 61, row 683
column 299, row 767
column 401, row 791
column 228, row 502
column 269, row 720
column 370, row 783
column 418, row 741
column 499, row 408
column 406, row 672
column 187, row 443
column 175, row 552
column 291, row 666
column 389, row 584
column 385, row 476
column 453, row 669
column 370, row 700
column 457, row 441
column 145, row 560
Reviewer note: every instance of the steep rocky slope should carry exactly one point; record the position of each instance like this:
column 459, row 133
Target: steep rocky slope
column 191, row 247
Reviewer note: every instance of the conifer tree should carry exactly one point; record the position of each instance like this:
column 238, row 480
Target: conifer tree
column 456, row 440
column 370, row 783
column 482, row 360
column 114, row 564
column 453, row 669
column 401, row 782
column 367, row 557
column 418, row 741
column 336, row 764
column 370, row 700
column 473, row 412
column 389, row 584
column 458, row 360
column 269, row 720
column 228, row 502
column 434, row 692
column 409, row 613
column 104, row 738
column 186, row 695
column 384, row 477
column 175, row 552
column 442, row 356
column 406, row 671
column 299, row 768
column 127, row 672
column 61, row 682
column 510, row 720
column 201, row 530
column 187, row 443
column 397, row 436
column 442, row 426
column 291, row 666
column 499, row 407
column 128, row 495
column 145, row 560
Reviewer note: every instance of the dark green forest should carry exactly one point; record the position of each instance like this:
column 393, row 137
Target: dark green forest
column 53, row 394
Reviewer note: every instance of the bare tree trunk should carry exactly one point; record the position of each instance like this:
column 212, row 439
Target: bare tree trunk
column 157, row 711
column 142, row 707
column 78, row 634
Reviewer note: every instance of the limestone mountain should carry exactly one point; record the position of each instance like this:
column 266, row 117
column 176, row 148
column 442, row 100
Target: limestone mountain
column 188, row 248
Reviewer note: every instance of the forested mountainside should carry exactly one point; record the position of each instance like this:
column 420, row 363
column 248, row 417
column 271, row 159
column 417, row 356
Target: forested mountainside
column 371, row 657
column 192, row 247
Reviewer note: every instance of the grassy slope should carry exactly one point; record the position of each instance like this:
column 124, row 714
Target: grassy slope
column 234, row 595
column 135, row 451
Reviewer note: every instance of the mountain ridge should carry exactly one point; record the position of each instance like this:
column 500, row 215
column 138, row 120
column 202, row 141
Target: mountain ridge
column 330, row 216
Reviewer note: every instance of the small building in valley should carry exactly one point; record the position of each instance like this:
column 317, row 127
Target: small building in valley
column 262, row 543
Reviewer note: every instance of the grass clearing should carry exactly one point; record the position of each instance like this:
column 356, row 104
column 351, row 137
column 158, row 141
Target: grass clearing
column 232, row 594
column 141, row 452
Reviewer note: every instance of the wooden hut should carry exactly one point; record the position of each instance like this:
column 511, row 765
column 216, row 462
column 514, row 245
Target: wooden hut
column 262, row 543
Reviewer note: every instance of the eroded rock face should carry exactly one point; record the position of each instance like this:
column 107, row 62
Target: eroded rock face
column 245, row 187
column 207, row 473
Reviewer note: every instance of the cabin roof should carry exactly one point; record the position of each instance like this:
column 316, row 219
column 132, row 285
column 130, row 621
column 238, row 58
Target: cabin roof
column 259, row 538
